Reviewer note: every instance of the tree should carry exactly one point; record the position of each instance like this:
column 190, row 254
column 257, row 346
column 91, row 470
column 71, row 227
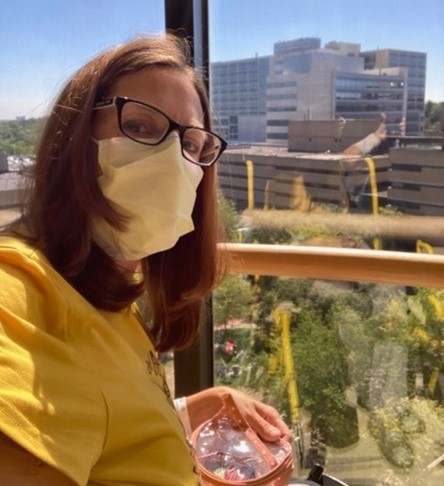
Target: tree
column 230, row 217
column 232, row 300
column 19, row 137
column 432, row 115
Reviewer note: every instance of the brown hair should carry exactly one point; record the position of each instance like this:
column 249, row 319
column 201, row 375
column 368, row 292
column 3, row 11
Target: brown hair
column 65, row 195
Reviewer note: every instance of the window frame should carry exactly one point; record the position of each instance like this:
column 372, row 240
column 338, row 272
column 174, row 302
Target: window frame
column 194, row 366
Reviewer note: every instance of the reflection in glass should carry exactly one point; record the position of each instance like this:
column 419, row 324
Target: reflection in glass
column 356, row 368
column 296, row 106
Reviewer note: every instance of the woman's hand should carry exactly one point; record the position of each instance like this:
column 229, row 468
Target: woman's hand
column 262, row 418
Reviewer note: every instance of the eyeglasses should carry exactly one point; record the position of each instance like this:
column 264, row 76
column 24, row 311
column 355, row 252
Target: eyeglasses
column 148, row 125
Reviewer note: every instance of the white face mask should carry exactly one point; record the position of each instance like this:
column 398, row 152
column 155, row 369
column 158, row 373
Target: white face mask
column 154, row 187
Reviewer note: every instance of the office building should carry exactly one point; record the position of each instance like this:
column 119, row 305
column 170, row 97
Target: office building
column 414, row 66
column 238, row 96
column 254, row 99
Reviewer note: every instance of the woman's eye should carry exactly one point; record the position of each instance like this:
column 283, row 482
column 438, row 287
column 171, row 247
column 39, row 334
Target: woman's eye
column 191, row 146
column 137, row 127
column 194, row 141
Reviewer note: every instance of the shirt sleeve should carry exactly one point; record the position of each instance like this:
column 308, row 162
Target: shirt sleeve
column 49, row 403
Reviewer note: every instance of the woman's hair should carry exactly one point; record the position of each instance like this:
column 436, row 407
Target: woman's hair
column 65, row 195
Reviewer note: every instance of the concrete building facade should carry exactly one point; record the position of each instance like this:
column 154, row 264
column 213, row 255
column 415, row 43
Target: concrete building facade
column 413, row 65
column 238, row 96
column 255, row 99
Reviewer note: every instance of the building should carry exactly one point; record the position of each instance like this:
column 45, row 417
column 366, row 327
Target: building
column 414, row 64
column 3, row 162
column 279, row 179
column 238, row 96
column 255, row 99
column 330, row 136
column 12, row 190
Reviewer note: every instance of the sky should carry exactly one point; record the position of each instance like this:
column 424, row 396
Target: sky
column 45, row 41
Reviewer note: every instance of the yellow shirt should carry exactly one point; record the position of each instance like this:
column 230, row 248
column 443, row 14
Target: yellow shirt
column 82, row 389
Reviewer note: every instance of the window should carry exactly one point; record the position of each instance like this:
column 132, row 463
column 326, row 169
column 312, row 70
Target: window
column 46, row 41
column 281, row 337
column 349, row 349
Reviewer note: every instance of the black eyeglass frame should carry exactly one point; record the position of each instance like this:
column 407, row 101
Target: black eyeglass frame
column 120, row 101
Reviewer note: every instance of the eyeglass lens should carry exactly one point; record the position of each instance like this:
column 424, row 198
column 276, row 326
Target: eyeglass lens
column 148, row 126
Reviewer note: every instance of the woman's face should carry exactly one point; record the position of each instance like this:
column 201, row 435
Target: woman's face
column 168, row 89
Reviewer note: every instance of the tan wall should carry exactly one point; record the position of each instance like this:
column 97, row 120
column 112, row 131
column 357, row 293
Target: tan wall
column 323, row 136
column 417, row 180
column 12, row 186
column 285, row 182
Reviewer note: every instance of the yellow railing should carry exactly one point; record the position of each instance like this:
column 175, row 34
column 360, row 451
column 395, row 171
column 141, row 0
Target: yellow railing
column 391, row 267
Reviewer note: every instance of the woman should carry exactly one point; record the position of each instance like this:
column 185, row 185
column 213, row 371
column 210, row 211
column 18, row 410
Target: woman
column 123, row 203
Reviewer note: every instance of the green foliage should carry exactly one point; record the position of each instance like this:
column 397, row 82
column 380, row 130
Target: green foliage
column 241, row 335
column 269, row 235
column 19, row 137
column 242, row 369
column 336, row 331
column 276, row 290
column 232, row 299
column 230, row 217
column 328, row 208
column 335, row 328
column 337, row 427
column 304, row 232
column 432, row 115
column 286, row 227
column 321, row 361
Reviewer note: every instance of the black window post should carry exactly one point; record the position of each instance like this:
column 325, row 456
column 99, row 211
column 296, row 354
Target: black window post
column 193, row 367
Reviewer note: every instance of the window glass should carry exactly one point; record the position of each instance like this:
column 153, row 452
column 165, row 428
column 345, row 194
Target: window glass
column 354, row 367
column 332, row 110
column 44, row 43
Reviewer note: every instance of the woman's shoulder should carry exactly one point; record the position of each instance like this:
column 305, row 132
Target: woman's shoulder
column 21, row 255
column 30, row 288
column 18, row 248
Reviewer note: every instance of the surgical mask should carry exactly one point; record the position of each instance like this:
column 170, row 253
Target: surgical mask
column 154, row 187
